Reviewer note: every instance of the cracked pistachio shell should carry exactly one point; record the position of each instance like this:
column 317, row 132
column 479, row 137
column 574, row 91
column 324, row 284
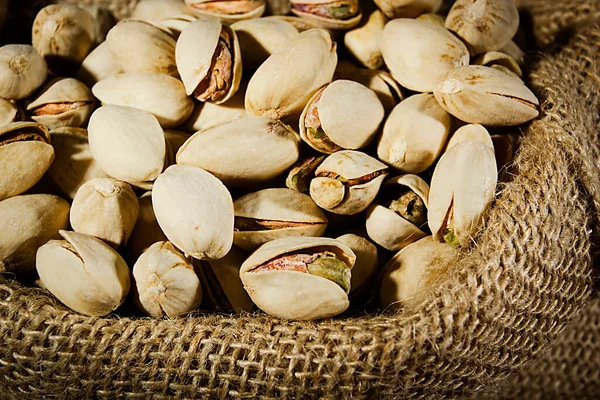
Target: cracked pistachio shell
column 22, row 71
column 347, row 182
column 10, row 112
column 486, row 96
column 195, row 57
column 227, row 12
column 414, row 134
column 462, row 189
column 159, row 94
column 471, row 132
column 26, row 223
column 426, row 52
column 293, row 294
column 386, row 227
column 414, row 272
column 25, row 156
column 484, row 25
column 165, row 283
column 407, row 8
column 146, row 231
column 140, row 46
column 363, row 42
column 98, row 65
column 156, row 10
column 84, row 273
column 206, row 115
column 195, row 211
column 302, row 173
column 62, row 102
column 276, row 91
column 274, row 213
column 366, row 263
column 105, row 208
column 177, row 23
column 497, row 58
column 244, row 151
column 128, row 143
column 349, row 115
column 343, row 16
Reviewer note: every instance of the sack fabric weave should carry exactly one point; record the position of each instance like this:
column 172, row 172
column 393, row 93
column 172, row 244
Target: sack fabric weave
column 527, row 285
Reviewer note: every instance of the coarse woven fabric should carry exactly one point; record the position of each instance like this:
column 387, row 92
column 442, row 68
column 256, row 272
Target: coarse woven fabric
column 507, row 301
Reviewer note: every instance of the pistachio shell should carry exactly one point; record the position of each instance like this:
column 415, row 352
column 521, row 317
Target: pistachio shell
column 303, row 171
column 471, row 132
column 363, row 42
column 104, row 21
column 206, row 115
column 10, row 112
column 98, row 65
column 407, row 8
column 156, row 10
column 496, row 58
column 301, row 24
column 366, row 263
column 177, row 23
column 146, row 231
column 22, row 71
column 26, row 223
column 514, row 51
column 227, row 11
column 338, row 16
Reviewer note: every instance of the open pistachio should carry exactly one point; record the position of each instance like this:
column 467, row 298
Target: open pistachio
column 244, row 151
column 498, row 59
column 25, row 156
column 342, row 115
column 366, row 263
column 414, row 272
column 62, row 102
column 302, row 173
column 27, row 222
column 146, row 231
column 484, row 25
column 227, row 10
column 165, row 283
column 414, row 134
column 462, row 189
column 159, row 94
column 195, row 211
column 427, row 52
column 299, row 277
column 98, row 65
column 470, row 132
column 274, row 213
column 10, row 112
column 330, row 14
column 84, row 273
column 407, row 8
column 486, row 96
column 156, row 10
column 208, row 114
column 347, row 182
column 211, row 68
column 276, row 95
column 22, row 71
column 363, row 41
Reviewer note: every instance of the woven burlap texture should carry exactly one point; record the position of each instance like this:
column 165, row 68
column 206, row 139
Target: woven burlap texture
column 505, row 302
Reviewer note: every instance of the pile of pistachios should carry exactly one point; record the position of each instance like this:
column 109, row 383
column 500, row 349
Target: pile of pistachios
column 199, row 156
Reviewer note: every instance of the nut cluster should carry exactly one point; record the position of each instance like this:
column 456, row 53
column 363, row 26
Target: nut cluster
column 199, row 156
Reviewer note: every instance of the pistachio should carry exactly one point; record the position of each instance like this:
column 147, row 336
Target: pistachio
column 514, row 51
column 104, row 21
column 496, row 58
column 347, row 182
column 366, row 263
column 331, row 14
column 486, row 96
column 10, row 112
column 177, row 23
column 301, row 24
column 299, row 277
column 27, row 222
column 22, row 71
column 407, row 8
column 427, row 53
column 227, row 10
column 156, row 10
column 84, row 273
column 146, row 231
column 462, row 189
column 363, row 42
column 433, row 17
column 98, row 65
column 303, row 171
column 165, row 283
column 471, row 132
column 208, row 115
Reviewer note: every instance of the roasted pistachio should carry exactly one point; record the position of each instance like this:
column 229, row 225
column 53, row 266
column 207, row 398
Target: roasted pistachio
column 22, row 71
column 363, row 42
column 302, row 173
column 498, row 59
column 407, row 8
column 302, row 24
column 98, row 65
column 156, row 10
column 330, row 14
column 433, row 17
column 10, row 112
column 471, row 132
column 366, row 263
column 227, row 10
column 177, row 23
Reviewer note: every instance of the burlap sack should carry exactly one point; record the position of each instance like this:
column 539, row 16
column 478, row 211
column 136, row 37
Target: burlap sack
column 506, row 303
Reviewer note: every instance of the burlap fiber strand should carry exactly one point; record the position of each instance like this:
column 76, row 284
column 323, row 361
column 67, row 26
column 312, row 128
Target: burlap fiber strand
column 507, row 302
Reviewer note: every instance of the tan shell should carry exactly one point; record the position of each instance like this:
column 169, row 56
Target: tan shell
column 291, row 294
column 514, row 51
column 366, row 263
column 471, row 132
column 156, row 10
column 10, row 112
column 497, row 58
column 302, row 172
column 324, row 22
column 206, row 115
column 244, row 151
column 159, row 94
column 26, row 223
column 98, row 65
column 177, row 23
column 195, row 211
column 146, row 231
column 363, row 42
column 226, row 17
column 301, row 24
column 84, row 273
column 22, row 71
column 407, row 8
column 280, row 213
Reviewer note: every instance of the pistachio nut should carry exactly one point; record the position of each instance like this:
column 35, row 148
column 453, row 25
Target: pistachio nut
column 206, row 115
column 104, row 21
column 98, row 65
column 22, row 71
column 462, row 189
column 414, row 272
column 165, row 283
column 433, row 17
column 221, row 285
column 128, row 143
column 63, row 34
column 363, row 41
column 141, row 46
column 366, row 263
column 84, row 273
column 302, row 173
column 227, row 11
column 156, row 10
column 243, row 151
column 427, row 52
column 195, row 211
column 347, row 182
column 73, row 163
column 497, row 58
column 10, row 112
column 177, row 23
column 105, row 208
column 301, row 24
column 486, row 96
column 62, row 102
column 146, row 231
column 159, row 94
column 471, row 132
column 300, row 278
column 25, row 156
column 261, row 37
column 407, row 8
column 414, row 134
column 276, row 95
column 484, row 25
column 398, row 216
column 330, row 14
column 274, row 213
column 26, row 223
column 514, row 51
column 342, row 115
